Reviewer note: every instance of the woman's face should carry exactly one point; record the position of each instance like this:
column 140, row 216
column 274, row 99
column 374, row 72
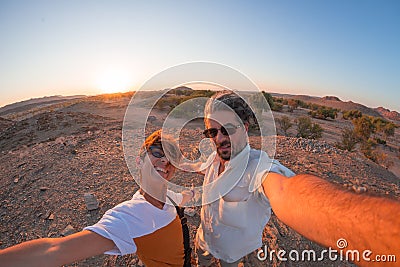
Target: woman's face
column 160, row 163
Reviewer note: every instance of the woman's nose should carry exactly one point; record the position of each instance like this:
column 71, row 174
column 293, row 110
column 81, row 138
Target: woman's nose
column 164, row 160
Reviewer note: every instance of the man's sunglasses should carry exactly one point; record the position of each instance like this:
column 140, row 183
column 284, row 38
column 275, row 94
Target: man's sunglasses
column 228, row 129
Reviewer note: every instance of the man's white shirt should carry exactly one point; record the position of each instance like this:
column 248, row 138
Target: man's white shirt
column 235, row 209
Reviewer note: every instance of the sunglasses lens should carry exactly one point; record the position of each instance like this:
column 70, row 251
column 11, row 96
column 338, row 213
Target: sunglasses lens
column 157, row 152
column 210, row 133
column 225, row 130
column 228, row 130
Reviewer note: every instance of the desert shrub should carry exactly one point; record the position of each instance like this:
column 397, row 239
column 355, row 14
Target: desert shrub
column 280, row 100
column 378, row 123
column 349, row 139
column 307, row 129
column 293, row 104
column 380, row 141
column 389, row 129
column 201, row 93
column 383, row 159
column 277, row 107
column 363, row 127
column 352, row 114
column 324, row 113
column 303, row 104
column 313, row 106
column 168, row 103
column 284, row 124
column 257, row 101
column 368, row 149
column 383, row 127
column 316, row 131
column 269, row 99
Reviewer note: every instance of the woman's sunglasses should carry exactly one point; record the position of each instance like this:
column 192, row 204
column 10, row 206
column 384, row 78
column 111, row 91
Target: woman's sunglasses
column 157, row 151
column 228, row 129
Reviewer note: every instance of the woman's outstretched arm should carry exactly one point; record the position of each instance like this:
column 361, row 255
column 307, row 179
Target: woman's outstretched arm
column 55, row 251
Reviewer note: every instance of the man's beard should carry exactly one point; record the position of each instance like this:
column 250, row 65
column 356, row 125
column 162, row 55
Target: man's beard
column 227, row 154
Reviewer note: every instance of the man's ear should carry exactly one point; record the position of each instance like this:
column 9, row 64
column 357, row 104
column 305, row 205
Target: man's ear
column 246, row 126
column 139, row 162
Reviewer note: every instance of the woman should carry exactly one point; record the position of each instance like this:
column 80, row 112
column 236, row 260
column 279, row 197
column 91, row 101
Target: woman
column 137, row 226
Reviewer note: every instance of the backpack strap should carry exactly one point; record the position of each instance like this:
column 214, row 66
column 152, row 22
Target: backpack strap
column 185, row 231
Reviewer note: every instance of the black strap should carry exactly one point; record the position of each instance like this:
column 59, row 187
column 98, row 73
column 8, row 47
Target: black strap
column 186, row 235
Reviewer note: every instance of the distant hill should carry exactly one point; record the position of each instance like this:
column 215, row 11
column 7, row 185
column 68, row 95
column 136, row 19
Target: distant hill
column 182, row 90
column 35, row 102
column 392, row 115
column 334, row 102
column 333, row 98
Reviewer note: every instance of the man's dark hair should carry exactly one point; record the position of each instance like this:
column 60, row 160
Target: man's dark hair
column 226, row 100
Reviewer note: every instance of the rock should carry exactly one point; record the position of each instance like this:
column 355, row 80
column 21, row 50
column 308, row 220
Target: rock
column 190, row 212
column 151, row 118
column 16, row 180
column 43, row 188
column 91, row 201
column 50, row 234
column 47, row 214
column 355, row 188
column 68, row 230
column 362, row 189
column 51, row 217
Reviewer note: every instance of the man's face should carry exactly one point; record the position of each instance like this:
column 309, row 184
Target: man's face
column 228, row 146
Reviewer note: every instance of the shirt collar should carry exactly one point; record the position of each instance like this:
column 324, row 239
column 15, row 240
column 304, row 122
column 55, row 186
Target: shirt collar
column 243, row 155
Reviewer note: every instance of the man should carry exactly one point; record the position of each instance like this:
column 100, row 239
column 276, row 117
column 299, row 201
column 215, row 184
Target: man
column 235, row 212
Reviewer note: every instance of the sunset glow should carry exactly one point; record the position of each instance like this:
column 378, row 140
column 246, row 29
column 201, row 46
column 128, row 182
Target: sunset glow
column 114, row 81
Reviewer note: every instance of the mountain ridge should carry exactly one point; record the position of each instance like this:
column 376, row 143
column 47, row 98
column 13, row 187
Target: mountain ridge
column 335, row 102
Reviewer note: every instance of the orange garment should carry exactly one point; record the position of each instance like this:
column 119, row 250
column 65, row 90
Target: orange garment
column 164, row 247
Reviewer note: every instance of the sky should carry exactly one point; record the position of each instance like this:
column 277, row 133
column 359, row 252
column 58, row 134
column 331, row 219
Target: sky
column 346, row 48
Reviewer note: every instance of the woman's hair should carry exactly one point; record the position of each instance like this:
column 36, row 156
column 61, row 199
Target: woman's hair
column 167, row 144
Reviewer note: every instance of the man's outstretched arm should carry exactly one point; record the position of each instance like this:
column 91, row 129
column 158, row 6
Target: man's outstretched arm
column 324, row 212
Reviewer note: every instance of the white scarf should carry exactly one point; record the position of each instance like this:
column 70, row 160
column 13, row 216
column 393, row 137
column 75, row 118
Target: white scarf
column 234, row 171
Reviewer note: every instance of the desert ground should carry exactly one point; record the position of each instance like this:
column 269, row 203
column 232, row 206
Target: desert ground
column 53, row 154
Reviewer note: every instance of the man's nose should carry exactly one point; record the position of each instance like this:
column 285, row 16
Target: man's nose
column 220, row 137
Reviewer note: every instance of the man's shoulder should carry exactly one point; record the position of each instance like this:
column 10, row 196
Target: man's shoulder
column 256, row 155
column 258, row 159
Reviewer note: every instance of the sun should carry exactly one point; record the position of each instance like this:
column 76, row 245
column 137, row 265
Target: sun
column 114, row 81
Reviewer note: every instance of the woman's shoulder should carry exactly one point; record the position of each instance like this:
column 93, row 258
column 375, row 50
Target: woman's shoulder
column 136, row 202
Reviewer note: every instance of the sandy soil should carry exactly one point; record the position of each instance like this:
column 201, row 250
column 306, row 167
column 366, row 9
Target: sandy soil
column 50, row 160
